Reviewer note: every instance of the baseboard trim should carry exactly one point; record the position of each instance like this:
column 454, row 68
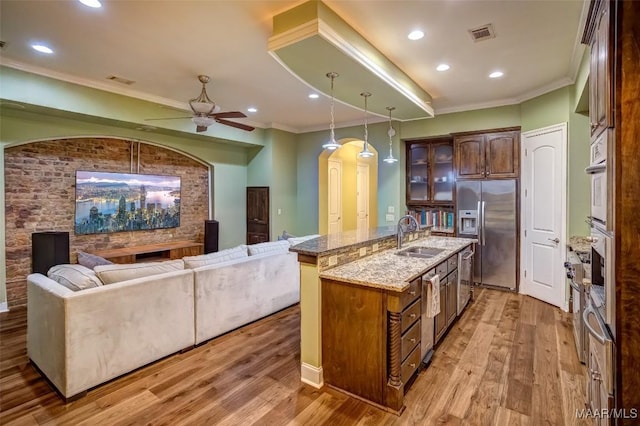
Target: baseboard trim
column 4, row 307
column 311, row 375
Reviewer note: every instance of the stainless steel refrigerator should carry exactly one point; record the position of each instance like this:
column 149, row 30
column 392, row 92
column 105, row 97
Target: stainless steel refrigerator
column 487, row 211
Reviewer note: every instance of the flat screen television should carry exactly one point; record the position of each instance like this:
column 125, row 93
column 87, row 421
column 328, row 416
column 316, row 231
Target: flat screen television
column 117, row 202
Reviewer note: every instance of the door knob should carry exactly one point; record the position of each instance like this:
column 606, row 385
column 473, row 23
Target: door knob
column 555, row 240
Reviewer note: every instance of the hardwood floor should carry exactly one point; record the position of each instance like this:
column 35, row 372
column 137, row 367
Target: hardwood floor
column 509, row 360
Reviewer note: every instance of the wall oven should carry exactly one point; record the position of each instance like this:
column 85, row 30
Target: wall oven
column 602, row 281
column 597, row 171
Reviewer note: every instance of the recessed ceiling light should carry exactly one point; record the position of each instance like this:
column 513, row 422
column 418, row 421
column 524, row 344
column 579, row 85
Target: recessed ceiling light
column 91, row 3
column 496, row 74
column 442, row 67
column 252, row 109
column 415, row 35
column 313, row 96
column 42, row 48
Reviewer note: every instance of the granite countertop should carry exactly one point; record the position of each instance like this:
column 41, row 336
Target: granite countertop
column 579, row 243
column 326, row 244
column 388, row 271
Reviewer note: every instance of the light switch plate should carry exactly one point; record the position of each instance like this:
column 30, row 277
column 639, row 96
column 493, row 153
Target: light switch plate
column 363, row 251
column 391, row 209
column 333, row 260
column 389, row 217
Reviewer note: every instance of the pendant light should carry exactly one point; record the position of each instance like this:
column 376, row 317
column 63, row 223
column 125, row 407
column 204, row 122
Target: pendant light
column 332, row 145
column 391, row 132
column 365, row 153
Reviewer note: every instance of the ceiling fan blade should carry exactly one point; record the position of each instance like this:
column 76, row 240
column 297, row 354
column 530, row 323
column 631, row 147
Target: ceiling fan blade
column 234, row 124
column 200, row 129
column 228, row 114
column 167, row 118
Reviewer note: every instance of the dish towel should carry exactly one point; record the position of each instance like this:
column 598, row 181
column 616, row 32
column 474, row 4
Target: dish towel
column 433, row 296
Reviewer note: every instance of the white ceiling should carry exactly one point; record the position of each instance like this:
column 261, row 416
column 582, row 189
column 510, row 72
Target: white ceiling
column 164, row 45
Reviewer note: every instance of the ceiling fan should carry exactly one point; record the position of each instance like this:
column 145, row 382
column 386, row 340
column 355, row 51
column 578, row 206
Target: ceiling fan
column 206, row 112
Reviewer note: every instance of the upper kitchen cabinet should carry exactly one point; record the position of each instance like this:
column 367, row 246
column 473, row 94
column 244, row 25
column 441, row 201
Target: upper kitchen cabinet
column 489, row 154
column 430, row 171
column 601, row 68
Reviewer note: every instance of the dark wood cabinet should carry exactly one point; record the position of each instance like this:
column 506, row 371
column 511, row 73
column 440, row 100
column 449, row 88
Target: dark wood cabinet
column 430, row 178
column 371, row 340
column 601, row 69
column 487, row 154
column 431, row 183
column 257, row 214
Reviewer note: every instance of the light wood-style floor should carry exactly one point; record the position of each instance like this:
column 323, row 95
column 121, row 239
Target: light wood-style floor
column 509, row 360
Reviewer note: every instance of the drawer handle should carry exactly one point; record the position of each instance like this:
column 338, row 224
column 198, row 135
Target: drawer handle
column 412, row 293
column 412, row 365
column 412, row 340
column 412, row 316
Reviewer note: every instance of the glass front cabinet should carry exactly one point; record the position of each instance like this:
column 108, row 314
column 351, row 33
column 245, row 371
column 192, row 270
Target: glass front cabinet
column 430, row 183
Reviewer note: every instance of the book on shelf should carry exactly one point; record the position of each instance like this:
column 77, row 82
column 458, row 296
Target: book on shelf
column 441, row 220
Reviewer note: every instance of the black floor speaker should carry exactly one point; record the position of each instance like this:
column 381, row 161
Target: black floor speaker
column 48, row 249
column 210, row 236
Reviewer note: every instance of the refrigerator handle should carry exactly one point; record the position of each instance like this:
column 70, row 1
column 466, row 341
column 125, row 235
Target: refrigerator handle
column 484, row 241
column 479, row 226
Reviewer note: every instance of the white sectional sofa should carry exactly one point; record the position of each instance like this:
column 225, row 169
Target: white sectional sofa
column 80, row 339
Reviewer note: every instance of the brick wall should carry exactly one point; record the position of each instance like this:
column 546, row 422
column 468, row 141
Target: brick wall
column 40, row 196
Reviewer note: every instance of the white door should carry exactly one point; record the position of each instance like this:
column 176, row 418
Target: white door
column 335, row 196
column 544, row 180
column 362, row 196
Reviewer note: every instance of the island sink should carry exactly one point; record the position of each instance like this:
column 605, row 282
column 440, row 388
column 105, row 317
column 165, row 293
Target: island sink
column 425, row 252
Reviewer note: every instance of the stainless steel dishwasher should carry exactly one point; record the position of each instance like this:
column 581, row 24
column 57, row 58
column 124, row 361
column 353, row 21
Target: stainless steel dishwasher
column 426, row 339
column 465, row 277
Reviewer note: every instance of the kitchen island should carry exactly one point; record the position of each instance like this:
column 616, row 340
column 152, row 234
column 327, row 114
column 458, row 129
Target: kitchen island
column 360, row 310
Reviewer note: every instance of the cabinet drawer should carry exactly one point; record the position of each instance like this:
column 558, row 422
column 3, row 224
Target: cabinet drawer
column 452, row 263
column 410, row 365
column 411, row 294
column 411, row 314
column 410, row 339
column 441, row 269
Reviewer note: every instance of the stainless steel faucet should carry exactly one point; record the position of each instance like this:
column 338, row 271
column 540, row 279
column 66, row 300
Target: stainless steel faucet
column 412, row 227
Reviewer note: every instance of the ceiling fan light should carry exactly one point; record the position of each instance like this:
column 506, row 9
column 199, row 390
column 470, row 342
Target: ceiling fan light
column 201, row 107
column 204, row 121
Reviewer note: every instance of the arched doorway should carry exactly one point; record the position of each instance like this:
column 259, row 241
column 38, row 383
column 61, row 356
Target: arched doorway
column 347, row 189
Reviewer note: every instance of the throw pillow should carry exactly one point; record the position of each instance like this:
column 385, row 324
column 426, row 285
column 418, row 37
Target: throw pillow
column 193, row 262
column 115, row 273
column 74, row 277
column 272, row 247
column 91, row 260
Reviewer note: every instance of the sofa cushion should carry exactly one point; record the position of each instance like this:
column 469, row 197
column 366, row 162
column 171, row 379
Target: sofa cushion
column 272, row 247
column 297, row 240
column 115, row 273
column 91, row 260
column 74, row 277
column 193, row 262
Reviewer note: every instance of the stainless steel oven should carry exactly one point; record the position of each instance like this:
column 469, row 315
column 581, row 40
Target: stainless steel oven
column 602, row 280
column 575, row 275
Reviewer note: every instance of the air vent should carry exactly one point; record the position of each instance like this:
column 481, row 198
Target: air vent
column 120, row 80
column 484, row 32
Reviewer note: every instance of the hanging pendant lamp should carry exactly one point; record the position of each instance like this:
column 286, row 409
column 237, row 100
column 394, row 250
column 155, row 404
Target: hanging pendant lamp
column 391, row 132
column 365, row 153
column 332, row 145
